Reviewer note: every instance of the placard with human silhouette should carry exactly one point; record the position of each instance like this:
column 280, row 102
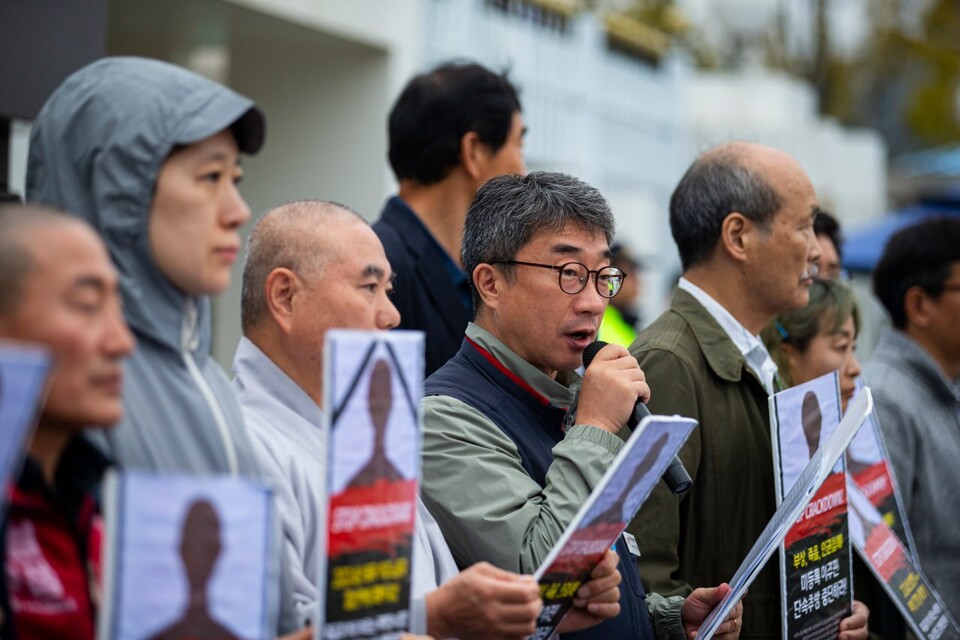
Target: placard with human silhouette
column 893, row 566
column 790, row 510
column 815, row 557
column 618, row 496
column 188, row 557
column 373, row 382
column 23, row 374
column 868, row 465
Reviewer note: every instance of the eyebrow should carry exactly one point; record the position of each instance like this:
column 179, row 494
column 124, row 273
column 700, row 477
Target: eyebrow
column 89, row 282
column 569, row 249
column 565, row 249
column 220, row 156
column 372, row 270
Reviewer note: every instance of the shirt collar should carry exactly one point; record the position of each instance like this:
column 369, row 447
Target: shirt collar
column 559, row 392
column 750, row 346
column 258, row 378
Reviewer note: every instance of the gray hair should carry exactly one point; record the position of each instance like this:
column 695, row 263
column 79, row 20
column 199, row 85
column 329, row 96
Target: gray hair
column 16, row 259
column 716, row 185
column 286, row 237
column 508, row 211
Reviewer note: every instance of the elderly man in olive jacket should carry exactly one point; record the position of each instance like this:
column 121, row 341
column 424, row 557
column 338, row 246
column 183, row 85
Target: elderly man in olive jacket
column 742, row 217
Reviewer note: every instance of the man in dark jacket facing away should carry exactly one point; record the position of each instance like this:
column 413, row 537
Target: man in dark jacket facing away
column 451, row 129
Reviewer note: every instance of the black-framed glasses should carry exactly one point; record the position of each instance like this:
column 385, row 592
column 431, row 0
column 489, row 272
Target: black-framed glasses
column 573, row 276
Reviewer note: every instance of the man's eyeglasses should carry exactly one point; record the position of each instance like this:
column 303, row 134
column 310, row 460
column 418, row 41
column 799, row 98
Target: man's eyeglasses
column 573, row 276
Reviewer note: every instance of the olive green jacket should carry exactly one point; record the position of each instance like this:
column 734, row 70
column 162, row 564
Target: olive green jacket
column 699, row 540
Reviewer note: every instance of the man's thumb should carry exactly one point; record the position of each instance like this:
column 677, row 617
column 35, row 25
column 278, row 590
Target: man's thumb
column 716, row 594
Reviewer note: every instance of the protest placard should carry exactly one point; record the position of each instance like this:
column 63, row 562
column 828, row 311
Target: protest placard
column 23, row 373
column 868, row 464
column 895, row 569
column 791, row 508
column 188, row 557
column 606, row 513
column 373, row 385
column 816, row 574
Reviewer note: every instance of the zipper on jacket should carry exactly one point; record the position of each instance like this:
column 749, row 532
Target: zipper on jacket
column 190, row 340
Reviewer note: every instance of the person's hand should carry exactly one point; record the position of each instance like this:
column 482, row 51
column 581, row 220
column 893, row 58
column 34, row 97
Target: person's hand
column 611, row 386
column 698, row 606
column 854, row 626
column 484, row 602
column 598, row 599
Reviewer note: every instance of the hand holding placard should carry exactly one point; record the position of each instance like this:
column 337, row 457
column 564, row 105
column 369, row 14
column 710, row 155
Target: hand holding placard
column 810, row 479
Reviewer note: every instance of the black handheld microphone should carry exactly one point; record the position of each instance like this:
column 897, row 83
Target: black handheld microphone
column 676, row 476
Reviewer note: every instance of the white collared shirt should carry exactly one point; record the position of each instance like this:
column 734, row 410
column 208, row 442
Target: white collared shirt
column 750, row 346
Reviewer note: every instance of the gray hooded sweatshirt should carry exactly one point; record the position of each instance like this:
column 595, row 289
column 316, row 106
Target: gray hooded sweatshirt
column 95, row 151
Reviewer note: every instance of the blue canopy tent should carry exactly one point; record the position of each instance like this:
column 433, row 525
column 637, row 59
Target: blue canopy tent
column 862, row 248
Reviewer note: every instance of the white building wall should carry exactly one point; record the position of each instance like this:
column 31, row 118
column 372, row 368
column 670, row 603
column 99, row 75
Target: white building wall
column 326, row 72
column 847, row 166
column 616, row 122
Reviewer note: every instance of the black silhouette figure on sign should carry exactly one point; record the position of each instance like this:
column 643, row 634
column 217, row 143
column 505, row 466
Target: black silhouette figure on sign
column 380, row 401
column 812, row 421
column 614, row 513
column 200, row 548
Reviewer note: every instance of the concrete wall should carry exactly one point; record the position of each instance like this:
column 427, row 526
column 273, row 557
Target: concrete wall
column 325, row 74
column 847, row 166
column 617, row 122
column 17, row 159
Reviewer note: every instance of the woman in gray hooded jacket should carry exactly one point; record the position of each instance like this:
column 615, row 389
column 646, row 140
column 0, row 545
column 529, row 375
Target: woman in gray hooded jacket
column 149, row 154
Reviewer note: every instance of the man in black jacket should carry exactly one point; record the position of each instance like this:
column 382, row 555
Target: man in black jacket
column 451, row 129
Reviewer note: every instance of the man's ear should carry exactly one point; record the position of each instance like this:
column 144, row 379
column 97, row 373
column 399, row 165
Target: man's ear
column 472, row 154
column 281, row 287
column 916, row 306
column 737, row 235
column 488, row 281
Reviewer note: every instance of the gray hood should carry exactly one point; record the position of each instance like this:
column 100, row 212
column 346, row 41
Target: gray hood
column 95, row 151
column 88, row 157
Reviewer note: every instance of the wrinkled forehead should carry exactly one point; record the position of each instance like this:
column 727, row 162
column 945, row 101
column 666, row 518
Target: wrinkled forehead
column 356, row 248
column 782, row 172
